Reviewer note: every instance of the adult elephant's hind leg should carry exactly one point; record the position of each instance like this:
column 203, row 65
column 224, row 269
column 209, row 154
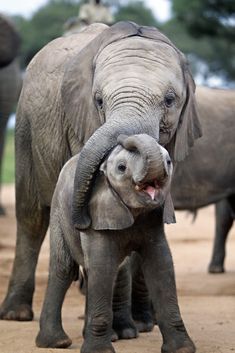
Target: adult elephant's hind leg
column 30, row 234
column 63, row 270
column 32, row 224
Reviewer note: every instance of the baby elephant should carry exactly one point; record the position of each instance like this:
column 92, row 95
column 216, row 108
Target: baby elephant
column 129, row 202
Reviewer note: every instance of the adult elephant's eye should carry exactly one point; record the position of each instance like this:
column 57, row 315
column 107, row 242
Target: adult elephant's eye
column 169, row 99
column 99, row 101
column 121, row 167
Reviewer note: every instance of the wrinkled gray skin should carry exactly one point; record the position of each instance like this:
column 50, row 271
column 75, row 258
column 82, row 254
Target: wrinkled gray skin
column 126, row 214
column 9, row 41
column 10, row 85
column 85, row 90
column 207, row 175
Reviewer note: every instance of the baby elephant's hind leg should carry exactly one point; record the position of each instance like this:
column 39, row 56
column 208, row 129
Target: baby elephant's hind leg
column 63, row 270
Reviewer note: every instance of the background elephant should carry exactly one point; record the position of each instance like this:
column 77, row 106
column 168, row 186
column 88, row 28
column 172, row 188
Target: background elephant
column 10, row 86
column 125, row 206
column 207, row 175
column 9, row 41
column 85, row 90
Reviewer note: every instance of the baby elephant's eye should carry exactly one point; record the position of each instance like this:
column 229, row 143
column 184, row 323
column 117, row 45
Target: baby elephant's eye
column 169, row 99
column 121, row 167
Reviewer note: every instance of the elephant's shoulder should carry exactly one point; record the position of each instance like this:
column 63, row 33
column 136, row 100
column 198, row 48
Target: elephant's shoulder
column 60, row 50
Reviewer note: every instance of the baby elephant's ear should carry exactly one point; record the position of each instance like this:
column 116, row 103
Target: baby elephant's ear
column 107, row 210
column 169, row 212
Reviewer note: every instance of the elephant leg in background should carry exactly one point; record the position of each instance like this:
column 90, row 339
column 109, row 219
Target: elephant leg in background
column 141, row 305
column 160, row 279
column 3, row 124
column 102, row 267
column 63, row 270
column 123, row 324
column 224, row 211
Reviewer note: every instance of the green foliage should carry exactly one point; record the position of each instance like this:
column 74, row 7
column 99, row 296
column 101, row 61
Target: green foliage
column 137, row 12
column 207, row 17
column 206, row 28
column 8, row 168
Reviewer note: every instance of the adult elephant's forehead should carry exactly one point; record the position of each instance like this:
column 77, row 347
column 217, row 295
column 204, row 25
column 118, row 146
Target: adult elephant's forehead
column 133, row 50
column 140, row 59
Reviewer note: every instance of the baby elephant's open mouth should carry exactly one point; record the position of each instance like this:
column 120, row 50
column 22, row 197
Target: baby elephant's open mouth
column 151, row 188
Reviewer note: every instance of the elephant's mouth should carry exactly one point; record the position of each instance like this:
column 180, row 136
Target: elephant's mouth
column 151, row 188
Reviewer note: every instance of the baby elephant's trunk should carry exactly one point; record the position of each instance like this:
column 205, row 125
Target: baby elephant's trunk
column 156, row 160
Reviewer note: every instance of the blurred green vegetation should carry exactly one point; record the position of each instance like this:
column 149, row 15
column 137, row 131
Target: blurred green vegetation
column 208, row 29
column 136, row 11
column 8, row 168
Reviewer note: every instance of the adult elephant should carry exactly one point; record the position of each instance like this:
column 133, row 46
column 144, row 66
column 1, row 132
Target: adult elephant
column 80, row 93
column 207, row 175
column 10, row 85
column 9, row 41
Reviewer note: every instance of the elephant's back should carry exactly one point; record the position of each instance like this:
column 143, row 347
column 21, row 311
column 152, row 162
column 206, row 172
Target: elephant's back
column 53, row 56
column 213, row 102
column 207, row 174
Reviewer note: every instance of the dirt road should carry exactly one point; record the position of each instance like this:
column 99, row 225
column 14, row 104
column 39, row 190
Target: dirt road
column 207, row 302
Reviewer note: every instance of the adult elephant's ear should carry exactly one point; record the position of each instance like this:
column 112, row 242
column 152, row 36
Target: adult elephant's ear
column 76, row 89
column 189, row 127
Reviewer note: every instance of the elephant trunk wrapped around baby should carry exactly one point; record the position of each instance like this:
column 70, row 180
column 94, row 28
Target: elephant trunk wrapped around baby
column 129, row 200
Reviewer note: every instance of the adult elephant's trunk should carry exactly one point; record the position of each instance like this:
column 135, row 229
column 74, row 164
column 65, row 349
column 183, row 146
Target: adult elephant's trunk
column 92, row 154
column 151, row 152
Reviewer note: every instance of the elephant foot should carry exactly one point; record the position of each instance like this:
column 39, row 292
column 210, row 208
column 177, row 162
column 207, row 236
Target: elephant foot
column 87, row 348
column 124, row 327
column 187, row 346
column 21, row 312
column 57, row 340
column 144, row 326
column 216, row 268
column 124, row 334
column 144, row 320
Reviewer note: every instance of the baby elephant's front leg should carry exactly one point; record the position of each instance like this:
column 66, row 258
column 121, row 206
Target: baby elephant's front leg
column 101, row 263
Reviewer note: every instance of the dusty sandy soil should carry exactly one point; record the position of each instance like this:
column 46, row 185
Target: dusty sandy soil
column 207, row 302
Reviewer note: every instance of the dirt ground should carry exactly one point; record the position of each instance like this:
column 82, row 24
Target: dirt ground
column 207, row 302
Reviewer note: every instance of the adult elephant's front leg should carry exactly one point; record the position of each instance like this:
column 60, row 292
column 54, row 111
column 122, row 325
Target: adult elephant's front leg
column 101, row 263
column 31, row 231
column 160, row 279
